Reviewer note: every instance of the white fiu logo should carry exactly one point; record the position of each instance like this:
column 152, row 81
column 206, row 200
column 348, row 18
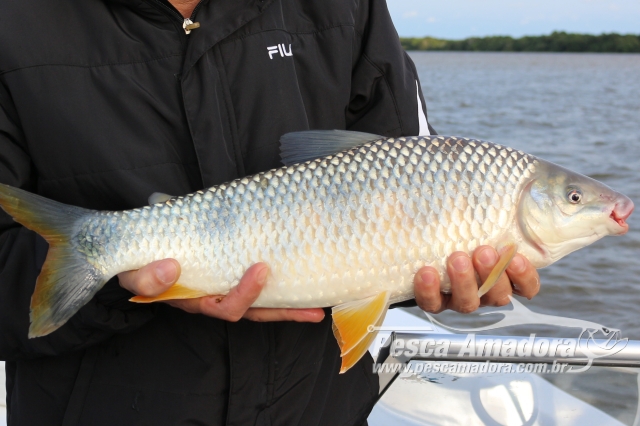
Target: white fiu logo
column 279, row 48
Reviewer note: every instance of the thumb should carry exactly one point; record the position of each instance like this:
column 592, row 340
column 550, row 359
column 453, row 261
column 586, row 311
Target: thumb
column 152, row 279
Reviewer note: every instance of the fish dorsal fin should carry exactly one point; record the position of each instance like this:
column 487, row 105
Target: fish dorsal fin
column 159, row 197
column 355, row 326
column 298, row 147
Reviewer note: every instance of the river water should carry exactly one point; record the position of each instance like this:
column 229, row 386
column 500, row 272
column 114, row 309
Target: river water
column 581, row 111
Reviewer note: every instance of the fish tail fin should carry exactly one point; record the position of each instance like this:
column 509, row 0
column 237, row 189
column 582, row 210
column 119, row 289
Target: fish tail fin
column 67, row 280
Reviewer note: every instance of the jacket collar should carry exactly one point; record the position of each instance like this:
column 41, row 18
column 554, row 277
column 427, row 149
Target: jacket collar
column 218, row 19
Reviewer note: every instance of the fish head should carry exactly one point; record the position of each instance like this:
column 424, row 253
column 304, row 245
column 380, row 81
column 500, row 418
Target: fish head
column 562, row 211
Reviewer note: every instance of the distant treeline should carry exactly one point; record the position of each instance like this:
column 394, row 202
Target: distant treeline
column 556, row 42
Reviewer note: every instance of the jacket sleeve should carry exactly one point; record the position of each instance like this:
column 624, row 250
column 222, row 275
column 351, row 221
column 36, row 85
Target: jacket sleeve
column 386, row 97
column 22, row 254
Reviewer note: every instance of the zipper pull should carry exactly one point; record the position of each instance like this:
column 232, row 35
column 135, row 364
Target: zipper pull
column 189, row 25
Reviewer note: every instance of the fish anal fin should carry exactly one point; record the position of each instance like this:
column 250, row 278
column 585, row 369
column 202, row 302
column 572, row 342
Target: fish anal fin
column 176, row 291
column 353, row 356
column 498, row 269
column 354, row 326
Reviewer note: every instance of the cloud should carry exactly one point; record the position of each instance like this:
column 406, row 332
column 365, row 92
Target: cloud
column 409, row 15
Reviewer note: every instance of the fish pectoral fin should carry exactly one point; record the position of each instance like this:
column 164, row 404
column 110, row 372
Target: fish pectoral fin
column 176, row 291
column 498, row 270
column 355, row 326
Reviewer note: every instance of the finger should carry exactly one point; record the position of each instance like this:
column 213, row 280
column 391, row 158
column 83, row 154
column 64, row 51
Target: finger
column 524, row 276
column 152, row 279
column 298, row 315
column 193, row 306
column 484, row 259
column 464, row 287
column 426, row 287
column 234, row 305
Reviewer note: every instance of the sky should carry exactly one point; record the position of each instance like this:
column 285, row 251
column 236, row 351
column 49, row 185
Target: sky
column 458, row 19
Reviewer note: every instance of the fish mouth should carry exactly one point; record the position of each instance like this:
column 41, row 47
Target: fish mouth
column 621, row 213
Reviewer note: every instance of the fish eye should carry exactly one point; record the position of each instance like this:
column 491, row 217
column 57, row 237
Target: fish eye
column 574, row 195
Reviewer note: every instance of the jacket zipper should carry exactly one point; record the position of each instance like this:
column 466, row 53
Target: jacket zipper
column 187, row 23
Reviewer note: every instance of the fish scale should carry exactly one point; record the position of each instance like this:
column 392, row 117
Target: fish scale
column 333, row 230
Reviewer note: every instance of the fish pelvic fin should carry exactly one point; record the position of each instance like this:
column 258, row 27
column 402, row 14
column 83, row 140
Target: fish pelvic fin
column 67, row 280
column 176, row 291
column 503, row 262
column 355, row 326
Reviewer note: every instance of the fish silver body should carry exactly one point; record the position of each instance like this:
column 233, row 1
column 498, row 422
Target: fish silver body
column 335, row 229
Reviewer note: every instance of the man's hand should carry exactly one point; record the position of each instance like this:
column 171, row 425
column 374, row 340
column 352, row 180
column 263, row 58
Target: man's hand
column 157, row 277
column 521, row 278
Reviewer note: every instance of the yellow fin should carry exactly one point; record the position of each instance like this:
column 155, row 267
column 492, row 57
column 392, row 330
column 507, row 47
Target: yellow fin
column 354, row 326
column 497, row 271
column 176, row 291
column 353, row 356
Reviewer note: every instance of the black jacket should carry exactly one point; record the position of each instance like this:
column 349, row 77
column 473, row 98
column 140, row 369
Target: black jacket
column 103, row 102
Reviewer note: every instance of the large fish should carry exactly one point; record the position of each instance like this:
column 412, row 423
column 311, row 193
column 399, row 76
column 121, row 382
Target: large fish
column 346, row 223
